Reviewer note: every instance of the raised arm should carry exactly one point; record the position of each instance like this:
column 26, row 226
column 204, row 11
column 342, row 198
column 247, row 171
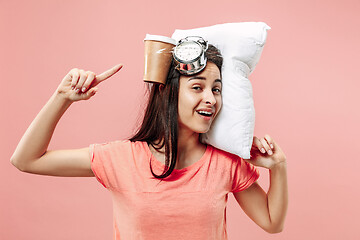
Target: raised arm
column 268, row 210
column 31, row 154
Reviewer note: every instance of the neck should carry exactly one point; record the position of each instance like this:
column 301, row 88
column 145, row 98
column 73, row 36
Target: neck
column 188, row 141
column 189, row 147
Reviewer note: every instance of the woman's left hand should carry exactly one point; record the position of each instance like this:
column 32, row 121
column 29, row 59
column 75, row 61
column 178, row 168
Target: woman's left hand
column 271, row 156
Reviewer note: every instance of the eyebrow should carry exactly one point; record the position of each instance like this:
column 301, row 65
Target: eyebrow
column 203, row 78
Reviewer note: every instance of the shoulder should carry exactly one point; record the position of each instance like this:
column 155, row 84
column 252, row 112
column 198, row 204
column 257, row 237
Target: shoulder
column 122, row 142
column 225, row 156
column 119, row 145
column 119, row 149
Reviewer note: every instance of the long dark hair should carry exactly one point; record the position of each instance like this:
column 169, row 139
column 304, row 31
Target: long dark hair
column 159, row 127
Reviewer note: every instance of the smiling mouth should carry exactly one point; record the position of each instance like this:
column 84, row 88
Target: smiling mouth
column 205, row 113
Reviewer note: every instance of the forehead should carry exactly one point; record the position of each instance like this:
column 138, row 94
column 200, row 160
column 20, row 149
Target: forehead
column 211, row 73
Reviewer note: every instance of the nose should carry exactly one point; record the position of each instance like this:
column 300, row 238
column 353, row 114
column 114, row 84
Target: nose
column 209, row 97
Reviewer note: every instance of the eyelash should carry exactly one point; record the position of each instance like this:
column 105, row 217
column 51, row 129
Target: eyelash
column 217, row 89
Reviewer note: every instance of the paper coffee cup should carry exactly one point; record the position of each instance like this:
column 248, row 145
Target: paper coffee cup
column 158, row 56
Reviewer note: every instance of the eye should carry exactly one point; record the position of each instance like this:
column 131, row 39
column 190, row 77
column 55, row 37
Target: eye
column 217, row 90
column 196, row 88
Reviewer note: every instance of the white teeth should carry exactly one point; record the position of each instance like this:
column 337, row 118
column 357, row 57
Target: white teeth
column 206, row 113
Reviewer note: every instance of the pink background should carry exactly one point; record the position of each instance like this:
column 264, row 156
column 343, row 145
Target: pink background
column 306, row 88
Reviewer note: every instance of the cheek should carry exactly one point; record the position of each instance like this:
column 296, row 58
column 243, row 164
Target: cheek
column 218, row 103
column 187, row 100
column 184, row 104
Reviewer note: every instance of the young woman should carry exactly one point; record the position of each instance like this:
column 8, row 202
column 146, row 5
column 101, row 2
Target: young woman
column 165, row 183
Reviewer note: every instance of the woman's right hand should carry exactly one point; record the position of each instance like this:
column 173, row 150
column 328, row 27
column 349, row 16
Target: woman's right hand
column 81, row 85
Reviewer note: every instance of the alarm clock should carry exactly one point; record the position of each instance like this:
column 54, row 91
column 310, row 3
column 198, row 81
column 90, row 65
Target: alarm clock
column 189, row 55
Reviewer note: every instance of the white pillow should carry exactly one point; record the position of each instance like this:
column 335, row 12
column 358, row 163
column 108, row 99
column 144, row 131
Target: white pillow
column 241, row 45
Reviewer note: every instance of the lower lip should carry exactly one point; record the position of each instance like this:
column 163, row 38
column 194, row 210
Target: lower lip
column 205, row 117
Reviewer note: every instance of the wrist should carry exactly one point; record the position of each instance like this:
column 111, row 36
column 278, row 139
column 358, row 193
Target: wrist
column 61, row 99
column 278, row 165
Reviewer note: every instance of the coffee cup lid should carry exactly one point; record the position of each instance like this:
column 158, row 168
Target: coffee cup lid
column 160, row 39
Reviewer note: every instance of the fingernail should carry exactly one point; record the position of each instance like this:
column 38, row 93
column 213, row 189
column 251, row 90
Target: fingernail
column 83, row 89
column 77, row 90
column 270, row 152
column 262, row 150
column 271, row 145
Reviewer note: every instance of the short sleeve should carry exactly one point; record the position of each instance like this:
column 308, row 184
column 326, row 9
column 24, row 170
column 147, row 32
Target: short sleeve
column 245, row 175
column 99, row 163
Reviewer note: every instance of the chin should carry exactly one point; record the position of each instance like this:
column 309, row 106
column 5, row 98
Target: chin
column 203, row 130
column 196, row 127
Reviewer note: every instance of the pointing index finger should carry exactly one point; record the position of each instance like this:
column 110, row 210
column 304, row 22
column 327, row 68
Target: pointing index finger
column 105, row 75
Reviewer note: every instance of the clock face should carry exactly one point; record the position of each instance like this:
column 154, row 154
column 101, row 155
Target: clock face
column 188, row 51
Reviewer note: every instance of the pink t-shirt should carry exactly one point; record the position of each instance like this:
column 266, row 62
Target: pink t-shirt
column 188, row 204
